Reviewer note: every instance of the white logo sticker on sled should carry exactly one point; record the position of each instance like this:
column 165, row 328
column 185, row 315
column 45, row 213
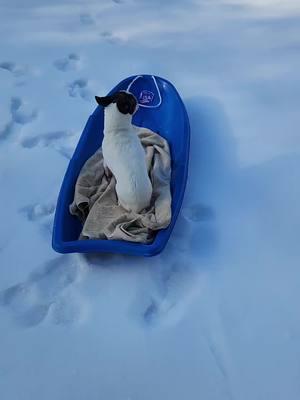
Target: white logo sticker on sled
column 146, row 97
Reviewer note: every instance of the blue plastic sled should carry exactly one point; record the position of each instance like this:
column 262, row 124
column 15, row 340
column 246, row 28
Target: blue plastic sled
column 162, row 110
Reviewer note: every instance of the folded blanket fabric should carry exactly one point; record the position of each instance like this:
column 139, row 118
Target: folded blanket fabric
column 96, row 204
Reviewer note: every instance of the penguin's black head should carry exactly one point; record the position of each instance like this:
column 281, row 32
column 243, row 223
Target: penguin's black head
column 126, row 102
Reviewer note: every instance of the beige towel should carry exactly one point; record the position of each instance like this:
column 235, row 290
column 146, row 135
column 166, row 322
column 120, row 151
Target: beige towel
column 95, row 200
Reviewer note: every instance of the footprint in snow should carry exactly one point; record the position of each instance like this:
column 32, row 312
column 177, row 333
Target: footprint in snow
column 44, row 213
column 47, row 291
column 65, row 311
column 8, row 130
column 21, row 114
column 35, row 212
column 110, row 38
column 174, row 286
column 18, row 71
column 198, row 212
column 86, row 19
column 79, row 88
column 68, row 63
column 62, row 141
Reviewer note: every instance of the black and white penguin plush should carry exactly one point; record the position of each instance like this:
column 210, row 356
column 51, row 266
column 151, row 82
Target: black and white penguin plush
column 123, row 152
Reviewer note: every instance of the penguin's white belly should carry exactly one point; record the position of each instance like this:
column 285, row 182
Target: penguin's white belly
column 124, row 155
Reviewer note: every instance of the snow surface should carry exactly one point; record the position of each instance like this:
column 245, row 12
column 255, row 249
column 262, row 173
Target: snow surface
column 216, row 315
